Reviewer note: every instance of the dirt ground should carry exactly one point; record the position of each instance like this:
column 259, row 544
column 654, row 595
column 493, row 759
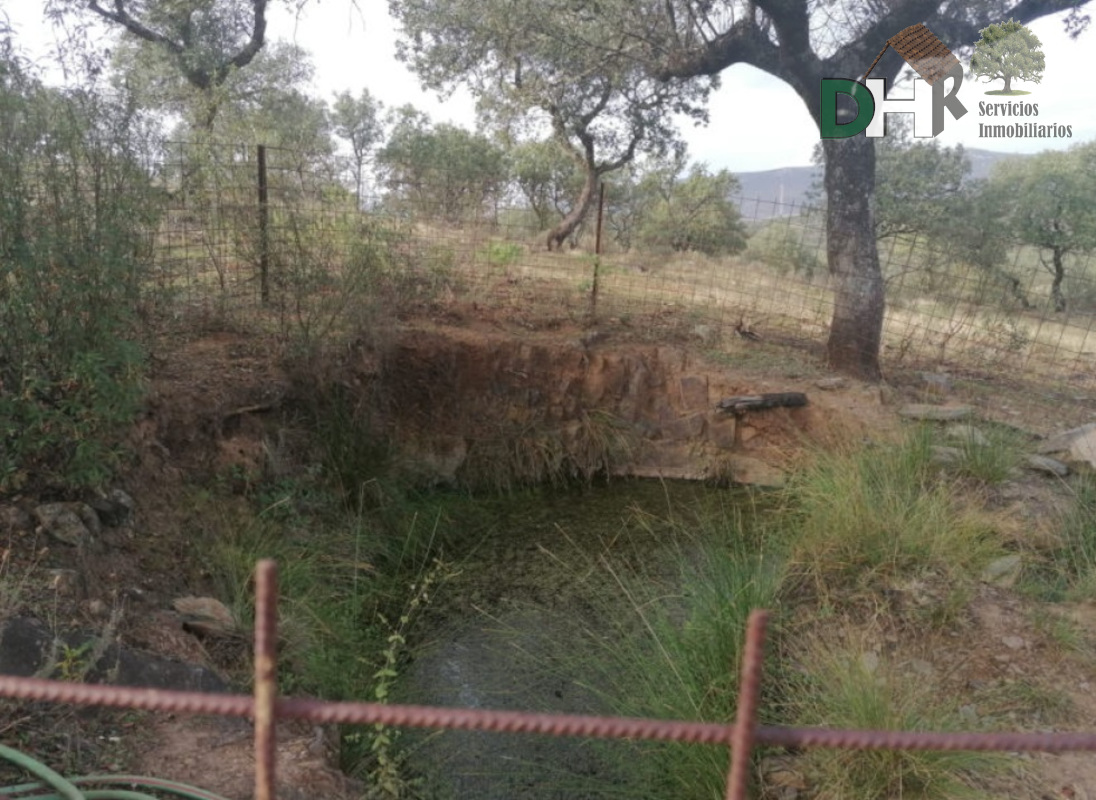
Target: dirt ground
column 220, row 400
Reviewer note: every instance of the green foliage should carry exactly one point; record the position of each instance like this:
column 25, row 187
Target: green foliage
column 440, row 171
column 502, row 254
column 186, row 51
column 919, row 184
column 1008, row 50
column 75, row 210
column 1046, row 202
column 691, row 212
column 1068, row 570
column 859, row 519
column 548, row 178
column 556, row 65
column 672, row 647
column 988, row 455
column 358, row 121
column 786, row 245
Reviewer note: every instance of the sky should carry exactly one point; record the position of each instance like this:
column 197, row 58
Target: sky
column 756, row 121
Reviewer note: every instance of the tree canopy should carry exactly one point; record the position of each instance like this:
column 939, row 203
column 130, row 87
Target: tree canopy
column 440, row 170
column 205, row 41
column 802, row 42
column 553, row 64
column 1046, row 201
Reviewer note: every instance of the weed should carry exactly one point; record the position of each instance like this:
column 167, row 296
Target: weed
column 386, row 774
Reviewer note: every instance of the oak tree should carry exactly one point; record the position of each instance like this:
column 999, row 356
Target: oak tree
column 556, row 65
column 802, row 42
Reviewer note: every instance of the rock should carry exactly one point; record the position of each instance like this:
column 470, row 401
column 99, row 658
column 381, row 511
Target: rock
column 946, row 456
column 936, row 383
column 967, row 434
column 70, row 523
column 755, row 472
column 1051, row 466
column 114, row 508
column 1013, row 642
column 206, row 615
column 26, row 646
column 829, row 384
column 1004, row 571
column 937, row 413
column 1077, row 445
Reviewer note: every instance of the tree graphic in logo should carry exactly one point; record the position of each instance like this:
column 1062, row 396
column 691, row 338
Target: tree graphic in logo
column 1008, row 50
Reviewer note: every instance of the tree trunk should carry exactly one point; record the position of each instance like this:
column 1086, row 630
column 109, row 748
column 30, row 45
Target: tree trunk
column 558, row 235
column 1059, row 276
column 1008, row 83
column 857, row 326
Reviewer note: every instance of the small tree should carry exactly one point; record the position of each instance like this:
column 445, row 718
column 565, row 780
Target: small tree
column 1046, row 202
column 358, row 121
column 1008, row 50
column 690, row 211
column 440, row 170
column 547, row 177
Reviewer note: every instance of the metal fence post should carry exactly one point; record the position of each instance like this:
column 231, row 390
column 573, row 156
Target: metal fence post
column 264, row 228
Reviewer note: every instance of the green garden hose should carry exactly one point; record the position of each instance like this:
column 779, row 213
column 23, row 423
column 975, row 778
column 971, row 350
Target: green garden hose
column 53, row 786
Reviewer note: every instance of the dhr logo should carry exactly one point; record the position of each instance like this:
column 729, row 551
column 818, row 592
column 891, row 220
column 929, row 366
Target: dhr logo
column 933, row 62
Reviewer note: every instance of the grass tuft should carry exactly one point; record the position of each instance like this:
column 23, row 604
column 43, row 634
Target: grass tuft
column 840, row 690
column 857, row 519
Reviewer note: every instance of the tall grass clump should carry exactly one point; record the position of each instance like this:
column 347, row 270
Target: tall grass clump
column 987, row 455
column 858, row 518
column 1068, row 570
column 677, row 650
column 76, row 209
column 840, row 689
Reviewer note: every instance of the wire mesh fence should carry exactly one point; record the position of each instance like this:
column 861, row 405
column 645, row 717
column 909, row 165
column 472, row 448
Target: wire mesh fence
column 265, row 231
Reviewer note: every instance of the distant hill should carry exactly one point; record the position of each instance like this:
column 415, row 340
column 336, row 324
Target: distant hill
column 781, row 192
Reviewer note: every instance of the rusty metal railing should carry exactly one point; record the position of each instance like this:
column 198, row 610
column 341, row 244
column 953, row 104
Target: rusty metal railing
column 264, row 707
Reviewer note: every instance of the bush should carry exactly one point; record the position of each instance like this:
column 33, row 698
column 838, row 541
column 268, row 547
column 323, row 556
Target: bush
column 75, row 210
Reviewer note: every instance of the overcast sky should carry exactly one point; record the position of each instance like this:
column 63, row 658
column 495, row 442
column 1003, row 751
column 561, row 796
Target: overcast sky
column 757, row 121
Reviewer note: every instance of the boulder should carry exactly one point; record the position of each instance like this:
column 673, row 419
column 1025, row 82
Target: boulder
column 1050, row 466
column 1075, row 446
column 70, row 523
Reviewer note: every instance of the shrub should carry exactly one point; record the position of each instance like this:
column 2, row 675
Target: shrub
column 75, row 210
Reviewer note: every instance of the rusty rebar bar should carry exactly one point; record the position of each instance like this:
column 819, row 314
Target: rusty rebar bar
column 266, row 686
column 521, row 722
column 749, row 693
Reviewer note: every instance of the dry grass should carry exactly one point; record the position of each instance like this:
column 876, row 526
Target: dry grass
column 933, row 318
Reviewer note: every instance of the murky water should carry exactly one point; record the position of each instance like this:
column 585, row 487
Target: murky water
column 540, row 585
